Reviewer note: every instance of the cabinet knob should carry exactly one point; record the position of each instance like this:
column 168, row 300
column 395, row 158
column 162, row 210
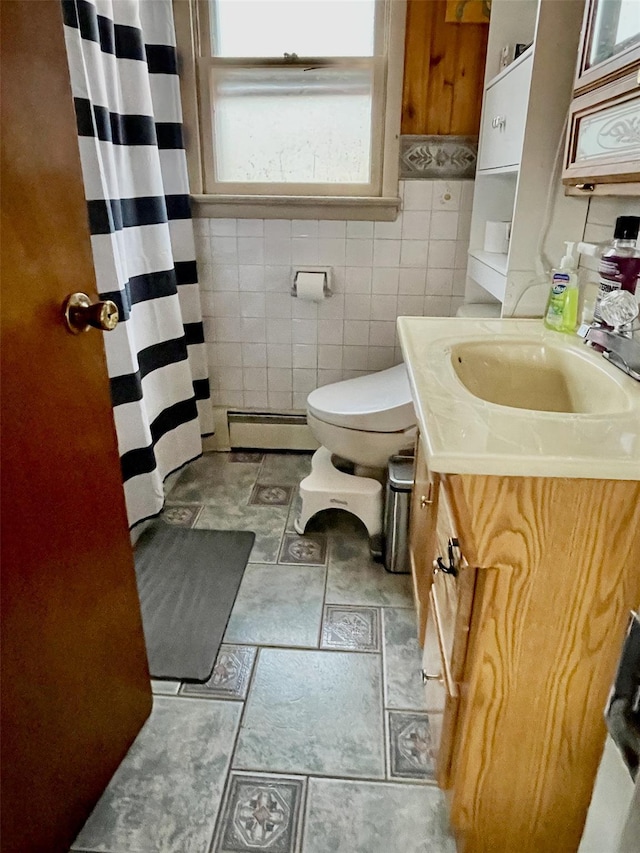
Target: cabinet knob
column 426, row 676
column 427, row 500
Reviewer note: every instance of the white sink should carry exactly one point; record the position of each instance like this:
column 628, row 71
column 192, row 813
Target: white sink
column 537, row 376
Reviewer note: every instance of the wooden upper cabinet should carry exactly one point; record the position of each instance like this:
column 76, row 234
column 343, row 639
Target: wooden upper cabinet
column 603, row 139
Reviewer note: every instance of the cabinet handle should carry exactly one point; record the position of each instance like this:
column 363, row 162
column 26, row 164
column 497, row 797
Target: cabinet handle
column 439, row 564
column 428, row 677
column 427, row 500
column 499, row 121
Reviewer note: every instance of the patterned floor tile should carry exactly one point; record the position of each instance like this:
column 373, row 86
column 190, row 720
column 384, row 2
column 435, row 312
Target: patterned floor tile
column 313, row 712
column 260, row 812
column 271, row 495
column 284, row 468
column 266, row 522
column 166, row 793
column 181, row 516
column 307, row 550
column 230, row 677
column 375, row 817
column 278, row 605
column 412, row 746
column 356, row 628
column 211, row 480
column 246, row 457
column 403, row 687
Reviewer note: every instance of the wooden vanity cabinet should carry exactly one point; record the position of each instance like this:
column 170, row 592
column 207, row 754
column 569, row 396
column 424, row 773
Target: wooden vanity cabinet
column 528, row 634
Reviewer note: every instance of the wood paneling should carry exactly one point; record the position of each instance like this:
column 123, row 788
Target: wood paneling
column 443, row 72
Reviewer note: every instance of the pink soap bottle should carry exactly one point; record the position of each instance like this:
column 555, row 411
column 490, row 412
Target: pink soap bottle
column 619, row 267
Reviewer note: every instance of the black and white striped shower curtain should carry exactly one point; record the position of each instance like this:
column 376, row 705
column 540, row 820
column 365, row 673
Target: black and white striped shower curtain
column 122, row 60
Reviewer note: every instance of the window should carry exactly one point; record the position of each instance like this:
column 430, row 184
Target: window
column 298, row 101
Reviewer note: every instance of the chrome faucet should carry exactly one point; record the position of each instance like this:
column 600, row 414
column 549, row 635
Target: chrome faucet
column 619, row 344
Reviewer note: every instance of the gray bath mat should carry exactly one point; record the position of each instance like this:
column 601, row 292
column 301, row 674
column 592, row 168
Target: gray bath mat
column 188, row 581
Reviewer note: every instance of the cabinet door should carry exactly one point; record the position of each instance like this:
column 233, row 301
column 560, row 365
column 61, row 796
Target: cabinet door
column 610, row 44
column 503, row 118
column 422, row 529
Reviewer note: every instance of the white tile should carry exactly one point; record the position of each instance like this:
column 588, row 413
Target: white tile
column 277, row 251
column 355, row 358
column 231, row 399
column 225, row 329
column 442, row 253
column 227, row 355
column 446, row 195
column 437, row 306
column 459, row 282
column 231, row 379
column 254, row 355
column 439, row 282
column 206, row 303
column 278, row 331
column 338, row 274
column 412, row 280
column 456, row 302
column 224, row 277
column 280, row 401
column 255, row 399
column 332, row 308
column 254, row 378
column 358, row 280
column 299, row 401
column 415, row 224
column 410, row 306
column 414, row 253
column 386, row 253
column 379, row 358
column 331, row 252
column 253, row 330
column 388, row 230
column 303, row 310
column 304, row 250
column 205, row 276
column 417, row 195
column 444, row 225
column 224, row 250
column 326, row 377
column 384, row 307
column 466, row 198
column 277, row 228
column 252, row 305
column 382, row 333
column 305, row 380
column 462, row 254
column 304, row 331
column 278, row 305
column 279, row 355
column 250, row 250
column 385, row 279
column 279, row 379
column 202, row 246
column 251, row 278
column 277, row 279
column 222, row 227
column 250, row 227
column 200, row 227
column 356, row 333
column 225, row 304
column 464, row 225
column 357, row 307
column 304, row 228
column 359, row 253
column 360, row 230
column 329, row 357
column 305, row 355
column 330, row 331
column 331, row 228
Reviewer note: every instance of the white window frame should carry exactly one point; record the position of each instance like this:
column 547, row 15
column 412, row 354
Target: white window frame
column 378, row 201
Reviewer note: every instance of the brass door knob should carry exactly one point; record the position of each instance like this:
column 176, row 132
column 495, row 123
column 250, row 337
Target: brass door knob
column 81, row 314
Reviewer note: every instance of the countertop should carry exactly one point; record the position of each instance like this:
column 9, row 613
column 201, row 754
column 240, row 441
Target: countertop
column 463, row 434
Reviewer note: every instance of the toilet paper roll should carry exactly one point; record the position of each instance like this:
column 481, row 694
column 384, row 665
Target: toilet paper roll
column 496, row 237
column 310, row 286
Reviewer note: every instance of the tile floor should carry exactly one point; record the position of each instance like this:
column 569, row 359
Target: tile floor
column 312, row 734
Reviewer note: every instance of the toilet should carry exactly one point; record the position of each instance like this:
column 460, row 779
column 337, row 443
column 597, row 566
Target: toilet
column 364, row 421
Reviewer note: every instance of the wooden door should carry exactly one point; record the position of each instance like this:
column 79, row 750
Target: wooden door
column 422, row 535
column 75, row 681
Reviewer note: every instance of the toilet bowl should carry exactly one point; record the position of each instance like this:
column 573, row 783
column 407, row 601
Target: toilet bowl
column 365, row 421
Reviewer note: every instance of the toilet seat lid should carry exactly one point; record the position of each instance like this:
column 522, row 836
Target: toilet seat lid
column 379, row 402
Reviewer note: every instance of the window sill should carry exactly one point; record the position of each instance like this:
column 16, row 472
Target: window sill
column 296, row 207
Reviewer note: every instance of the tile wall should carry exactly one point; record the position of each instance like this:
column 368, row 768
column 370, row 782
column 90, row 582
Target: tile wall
column 268, row 350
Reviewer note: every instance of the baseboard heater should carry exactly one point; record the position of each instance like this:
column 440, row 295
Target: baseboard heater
column 269, row 431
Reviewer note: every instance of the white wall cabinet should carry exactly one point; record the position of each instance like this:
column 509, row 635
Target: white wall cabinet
column 504, row 116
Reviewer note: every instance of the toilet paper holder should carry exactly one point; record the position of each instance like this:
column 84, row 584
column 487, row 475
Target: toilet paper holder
column 326, row 271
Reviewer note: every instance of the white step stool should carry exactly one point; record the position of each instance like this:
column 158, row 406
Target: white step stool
column 328, row 488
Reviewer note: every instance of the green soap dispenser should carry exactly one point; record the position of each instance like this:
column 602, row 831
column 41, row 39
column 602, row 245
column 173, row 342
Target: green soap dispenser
column 561, row 313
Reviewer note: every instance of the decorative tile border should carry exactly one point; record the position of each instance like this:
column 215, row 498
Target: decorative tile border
column 412, row 751
column 260, row 812
column 230, row 676
column 438, row 157
column 270, row 495
column 351, row 628
column 181, row 516
column 308, row 550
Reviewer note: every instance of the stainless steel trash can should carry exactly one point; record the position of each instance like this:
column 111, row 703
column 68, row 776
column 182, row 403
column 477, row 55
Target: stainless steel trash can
column 396, row 514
